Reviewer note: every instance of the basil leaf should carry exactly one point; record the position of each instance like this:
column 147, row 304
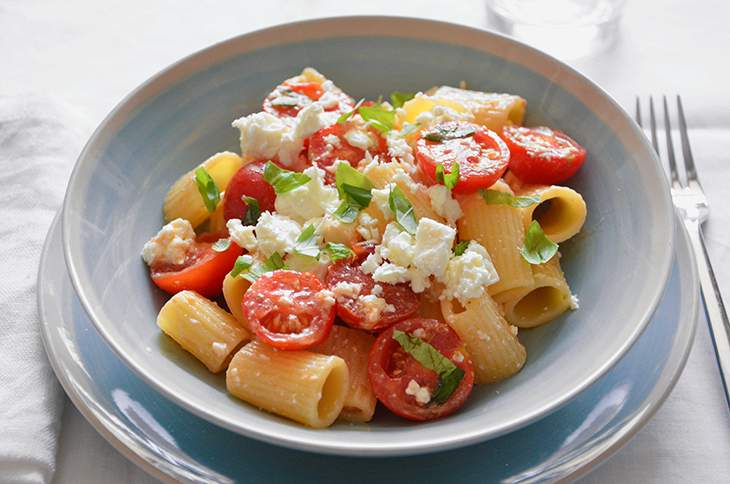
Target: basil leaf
column 355, row 191
column 208, row 189
column 243, row 263
column 537, row 248
column 381, row 119
column 398, row 99
column 337, row 251
column 274, row 262
column 448, row 179
column 306, row 243
column 253, row 212
column 283, row 180
column 461, row 247
column 449, row 374
column 403, row 210
column 447, row 131
column 221, row 245
column 495, row 197
column 345, row 116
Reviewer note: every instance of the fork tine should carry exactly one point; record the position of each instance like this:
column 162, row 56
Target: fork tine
column 673, row 174
column 652, row 125
column 638, row 113
column 689, row 162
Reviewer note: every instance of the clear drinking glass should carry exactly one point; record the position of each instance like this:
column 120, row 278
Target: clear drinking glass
column 567, row 29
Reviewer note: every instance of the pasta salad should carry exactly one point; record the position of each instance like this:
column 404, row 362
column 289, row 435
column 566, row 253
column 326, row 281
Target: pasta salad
column 356, row 252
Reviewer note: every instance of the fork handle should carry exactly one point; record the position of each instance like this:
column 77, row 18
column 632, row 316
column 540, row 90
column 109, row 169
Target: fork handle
column 714, row 307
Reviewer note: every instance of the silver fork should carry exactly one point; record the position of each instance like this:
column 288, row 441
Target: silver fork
column 691, row 203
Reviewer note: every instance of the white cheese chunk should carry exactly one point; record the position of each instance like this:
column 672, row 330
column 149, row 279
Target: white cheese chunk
column 421, row 394
column 359, row 138
column 467, row 275
column 243, row 235
column 261, row 135
column 276, row 233
column 380, row 197
column 367, row 227
column 443, row 203
column 398, row 148
column 344, row 290
column 433, row 246
column 373, row 307
column 308, row 201
column 171, row 244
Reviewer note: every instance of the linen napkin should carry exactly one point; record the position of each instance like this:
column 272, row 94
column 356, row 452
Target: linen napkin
column 39, row 141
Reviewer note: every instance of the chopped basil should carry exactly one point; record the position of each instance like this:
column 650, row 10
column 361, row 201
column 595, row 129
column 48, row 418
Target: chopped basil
column 449, row 374
column 461, row 247
column 355, row 191
column 221, row 245
column 306, row 243
column 208, row 189
column 398, row 99
column 243, row 263
column 381, row 119
column 495, row 197
column 537, row 248
column 337, row 251
column 447, row 131
column 345, row 116
column 448, row 179
column 283, row 180
column 273, row 263
column 253, row 212
column 403, row 210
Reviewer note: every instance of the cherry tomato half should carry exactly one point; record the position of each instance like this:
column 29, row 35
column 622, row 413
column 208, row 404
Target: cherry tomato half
column 289, row 310
column 203, row 270
column 391, row 370
column 355, row 311
column 482, row 155
column 248, row 181
column 290, row 97
column 542, row 155
column 330, row 144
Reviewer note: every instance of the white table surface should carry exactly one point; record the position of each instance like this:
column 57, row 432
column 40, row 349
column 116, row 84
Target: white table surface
column 90, row 54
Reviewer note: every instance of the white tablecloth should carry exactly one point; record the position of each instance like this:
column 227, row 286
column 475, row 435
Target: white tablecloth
column 90, row 54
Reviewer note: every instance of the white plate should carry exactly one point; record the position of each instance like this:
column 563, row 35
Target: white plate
column 171, row 443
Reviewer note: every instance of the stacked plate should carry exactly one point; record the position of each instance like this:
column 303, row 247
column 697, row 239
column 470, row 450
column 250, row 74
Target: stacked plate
column 592, row 378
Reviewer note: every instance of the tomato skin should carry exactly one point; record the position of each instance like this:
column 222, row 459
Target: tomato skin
column 542, row 155
column 483, row 156
column 203, row 271
column 248, row 181
column 352, row 311
column 301, row 94
column 390, row 370
column 289, row 310
column 323, row 154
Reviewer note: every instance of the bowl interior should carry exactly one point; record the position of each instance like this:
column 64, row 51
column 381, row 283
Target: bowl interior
column 617, row 266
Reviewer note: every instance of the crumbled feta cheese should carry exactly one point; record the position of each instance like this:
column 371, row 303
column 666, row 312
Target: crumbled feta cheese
column 406, row 182
column 458, row 356
column 398, row 246
column 311, row 200
column 276, row 233
column 261, row 135
column 433, row 247
column 443, row 203
column 367, row 227
column 243, row 235
column 398, row 148
column 332, row 140
column 390, row 273
column 329, row 100
column 359, row 139
column 344, row 290
column 419, row 333
column 574, row 302
column 381, row 197
column 467, row 275
column 421, row 394
column 171, row 244
column 309, row 120
column 373, row 307
column 377, row 290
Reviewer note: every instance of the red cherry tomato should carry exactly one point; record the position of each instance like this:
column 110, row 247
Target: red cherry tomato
column 391, row 370
column 354, row 311
column 203, row 270
column 482, row 155
column 248, row 181
column 329, row 144
column 542, row 155
column 290, row 97
column 289, row 310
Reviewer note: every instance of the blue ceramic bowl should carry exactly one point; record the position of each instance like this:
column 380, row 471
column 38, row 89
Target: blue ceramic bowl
column 618, row 266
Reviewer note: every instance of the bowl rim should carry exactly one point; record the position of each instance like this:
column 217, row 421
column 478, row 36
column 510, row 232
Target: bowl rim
column 341, row 26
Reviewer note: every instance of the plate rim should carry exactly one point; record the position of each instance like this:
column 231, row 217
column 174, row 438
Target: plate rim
column 234, row 45
column 579, row 465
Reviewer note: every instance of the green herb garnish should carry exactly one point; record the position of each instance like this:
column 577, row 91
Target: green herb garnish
column 355, row 191
column 398, row 99
column 273, row 263
column 461, row 247
column 337, row 251
column 537, row 248
column 345, row 116
column 243, row 263
column 208, row 189
column 381, row 119
column 283, row 180
column 403, row 210
column 495, row 197
column 306, row 243
column 448, row 179
column 449, row 374
column 221, row 245
column 253, row 212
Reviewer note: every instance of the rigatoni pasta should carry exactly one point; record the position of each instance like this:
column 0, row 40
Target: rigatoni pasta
column 306, row 387
column 561, row 211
